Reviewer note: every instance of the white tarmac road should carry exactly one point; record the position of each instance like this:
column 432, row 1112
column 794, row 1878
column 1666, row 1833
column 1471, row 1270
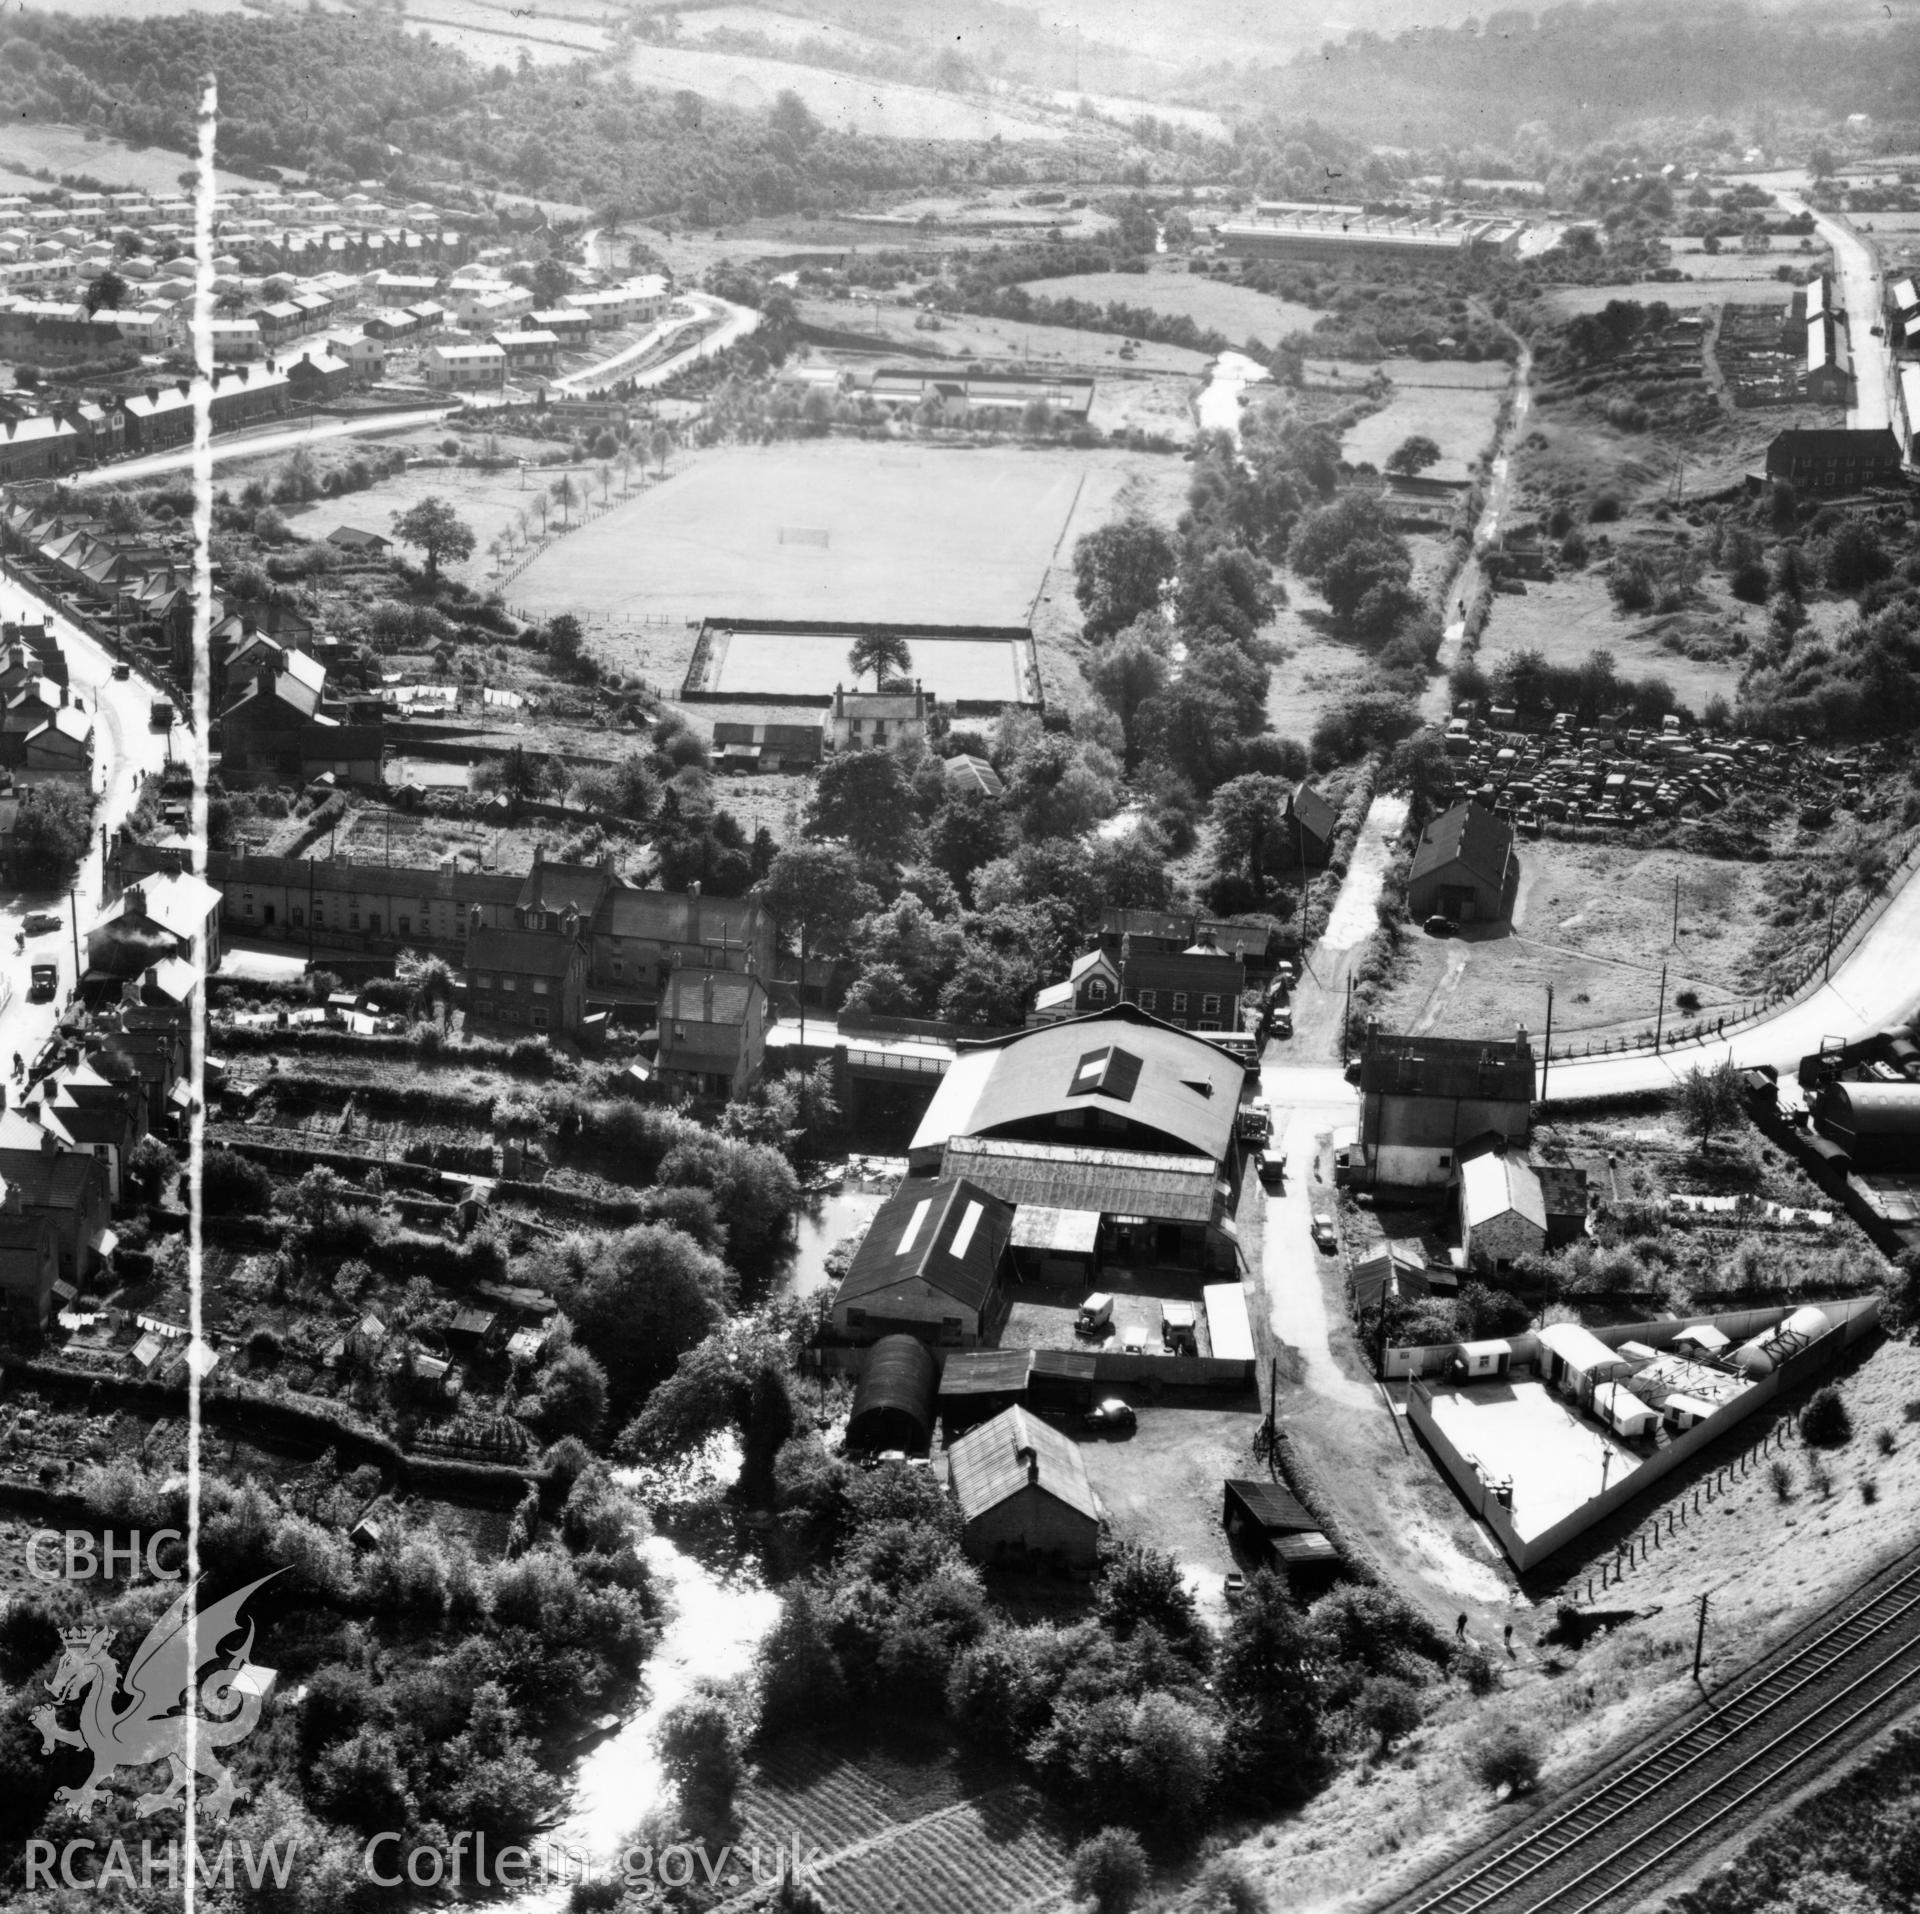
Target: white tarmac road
column 126, row 751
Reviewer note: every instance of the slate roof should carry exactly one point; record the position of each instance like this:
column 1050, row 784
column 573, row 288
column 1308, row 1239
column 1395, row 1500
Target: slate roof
column 686, row 996
column 989, row 1465
column 1484, row 1068
column 520, row 953
column 947, row 1236
column 1469, row 836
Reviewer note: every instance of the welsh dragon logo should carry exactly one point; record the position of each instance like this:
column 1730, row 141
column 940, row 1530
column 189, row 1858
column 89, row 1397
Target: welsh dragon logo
column 159, row 1685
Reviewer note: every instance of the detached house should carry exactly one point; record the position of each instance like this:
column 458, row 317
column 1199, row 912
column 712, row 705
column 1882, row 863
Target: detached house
column 877, row 720
column 166, row 914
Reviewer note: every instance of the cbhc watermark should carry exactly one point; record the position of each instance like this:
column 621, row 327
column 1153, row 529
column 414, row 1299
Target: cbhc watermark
column 79, row 1555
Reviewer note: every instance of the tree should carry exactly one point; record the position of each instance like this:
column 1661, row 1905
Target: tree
column 1250, row 816
column 1268, row 1680
column 637, row 1301
column 1227, row 590
column 107, row 293
column 149, row 1166
column 565, row 636
column 659, row 445
column 1855, row 556
column 863, row 797
column 1129, row 671
column 970, row 829
column 436, row 530
column 699, row 1749
column 816, row 895
column 50, row 834
column 1391, row 1708
column 1110, row 1870
column 884, row 653
column 566, row 495
column 1506, row 1755
column 234, row 1185
column 735, row 1379
column 571, row 1399
column 1413, row 455
column 1120, row 572
column 1707, row 1100
column 1824, row 1422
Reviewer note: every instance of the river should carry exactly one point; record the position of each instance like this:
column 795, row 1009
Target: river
column 716, row 1620
column 1218, row 407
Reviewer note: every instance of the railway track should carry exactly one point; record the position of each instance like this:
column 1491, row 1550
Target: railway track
column 1625, row 1830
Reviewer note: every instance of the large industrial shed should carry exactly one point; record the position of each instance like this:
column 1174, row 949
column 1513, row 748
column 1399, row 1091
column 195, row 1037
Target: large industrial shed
column 1024, row 1495
column 893, row 1405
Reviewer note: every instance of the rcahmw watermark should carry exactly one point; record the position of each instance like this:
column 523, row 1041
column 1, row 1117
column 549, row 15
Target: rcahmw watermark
column 468, row 1860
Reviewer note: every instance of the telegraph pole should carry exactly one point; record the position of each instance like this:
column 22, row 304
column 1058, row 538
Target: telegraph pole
column 1546, row 1051
column 1700, row 1638
column 1676, row 907
column 1826, row 966
column 1660, row 1009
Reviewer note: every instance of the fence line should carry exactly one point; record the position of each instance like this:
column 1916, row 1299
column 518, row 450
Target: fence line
column 1848, row 934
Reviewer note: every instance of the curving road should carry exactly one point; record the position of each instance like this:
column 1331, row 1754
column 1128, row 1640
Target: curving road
column 126, row 751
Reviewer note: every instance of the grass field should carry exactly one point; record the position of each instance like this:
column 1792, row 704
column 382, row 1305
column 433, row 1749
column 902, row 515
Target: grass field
column 961, row 334
column 1573, row 616
column 1459, row 419
column 1596, row 921
column 1238, row 311
column 848, row 103
column 784, row 29
column 70, row 150
column 1699, row 288
column 918, row 533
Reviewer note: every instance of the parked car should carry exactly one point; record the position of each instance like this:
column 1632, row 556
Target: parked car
column 1112, row 1417
column 1326, row 1238
column 1273, row 1169
column 1438, row 926
column 122, row 672
column 1179, row 1328
column 45, row 980
column 1133, row 1339
column 39, row 921
column 1236, row 1588
column 1095, row 1314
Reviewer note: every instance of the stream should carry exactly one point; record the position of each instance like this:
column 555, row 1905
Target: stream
column 715, row 1622
column 1218, row 406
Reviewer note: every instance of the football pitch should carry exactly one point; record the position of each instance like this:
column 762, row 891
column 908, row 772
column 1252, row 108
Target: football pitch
column 849, row 532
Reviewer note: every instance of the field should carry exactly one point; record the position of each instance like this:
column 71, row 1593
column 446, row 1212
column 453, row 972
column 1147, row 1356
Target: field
column 69, row 150
column 1699, row 288
column 960, row 334
column 1113, row 107
column 784, row 29
column 1572, row 616
column 1238, row 311
column 846, row 102
column 920, row 535
column 1596, row 921
column 1458, row 418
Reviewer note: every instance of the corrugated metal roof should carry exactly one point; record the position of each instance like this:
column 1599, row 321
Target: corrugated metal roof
column 1014, row 1451
column 986, row 1372
column 1271, row 1507
column 1111, row 1182
column 899, row 1379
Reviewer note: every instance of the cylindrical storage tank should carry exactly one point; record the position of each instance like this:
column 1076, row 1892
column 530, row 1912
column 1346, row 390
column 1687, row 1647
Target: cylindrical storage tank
column 1752, row 1360
column 1806, row 1322
column 893, row 1406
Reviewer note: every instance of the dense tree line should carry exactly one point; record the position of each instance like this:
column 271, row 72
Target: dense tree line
column 355, row 96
